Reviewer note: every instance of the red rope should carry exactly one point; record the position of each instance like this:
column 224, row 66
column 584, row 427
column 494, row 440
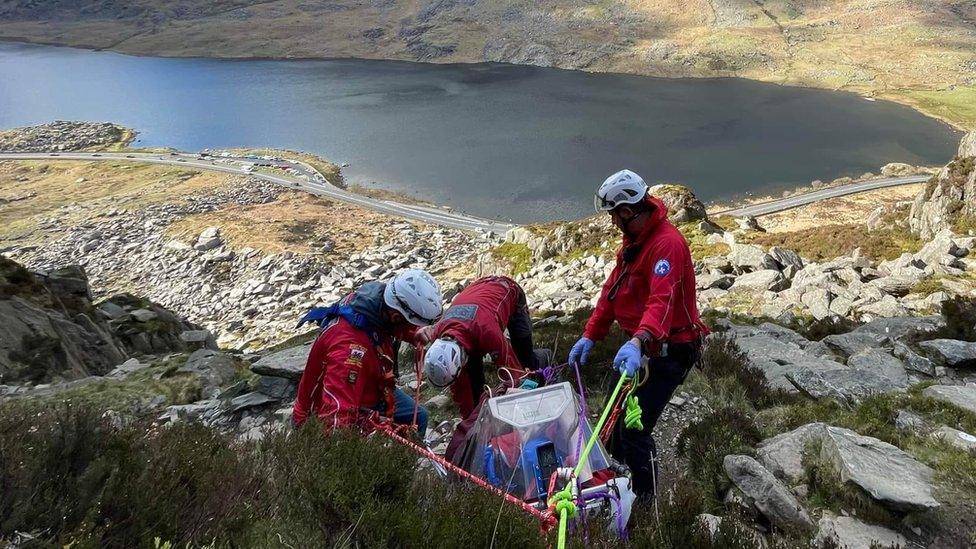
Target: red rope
column 614, row 415
column 547, row 520
column 418, row 356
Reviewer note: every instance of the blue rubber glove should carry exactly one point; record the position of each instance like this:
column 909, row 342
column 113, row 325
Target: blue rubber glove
column 580, row 351
column 628, row 359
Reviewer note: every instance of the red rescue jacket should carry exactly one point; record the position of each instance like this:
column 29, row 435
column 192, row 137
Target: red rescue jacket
column 654, row 292
column 478, row 316
column 477, row 319
column 350, row 368
column 344, row 373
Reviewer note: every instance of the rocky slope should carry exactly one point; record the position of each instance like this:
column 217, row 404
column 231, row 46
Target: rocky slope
column 854, row 428
column 911, row 51
column 64, row 136
column 52, row 331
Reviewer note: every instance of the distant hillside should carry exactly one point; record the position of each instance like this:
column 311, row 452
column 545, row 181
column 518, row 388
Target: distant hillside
column 915, row 51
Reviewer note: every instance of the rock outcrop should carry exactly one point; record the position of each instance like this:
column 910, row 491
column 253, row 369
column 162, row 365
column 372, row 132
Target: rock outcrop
column 62, row 136
column 51, row 329
column 949, row 194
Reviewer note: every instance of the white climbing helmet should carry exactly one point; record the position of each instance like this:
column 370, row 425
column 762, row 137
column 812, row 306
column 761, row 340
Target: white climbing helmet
column 442, row 362
column 623, row 187
column 416, row 295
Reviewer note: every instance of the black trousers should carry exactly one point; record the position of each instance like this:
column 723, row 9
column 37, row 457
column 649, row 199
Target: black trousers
column 520, row 333
column 637, row 448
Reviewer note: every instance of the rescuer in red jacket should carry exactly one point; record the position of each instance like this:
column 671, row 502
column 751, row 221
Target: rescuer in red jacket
column 351, row 365
column 474, row 327
column 651, row 295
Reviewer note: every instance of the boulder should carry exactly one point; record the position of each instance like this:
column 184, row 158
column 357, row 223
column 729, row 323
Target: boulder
column 913, row 361
column 882, row 363
column 854, row 342
column 939, row 252
column 902, row 327
column 963, row 396
column 955, row 437
column 759, row 281
column 770, row 496
column 747, row 257
column 713, row 279
column 277, row 387
column 198, row 339
column 897, row 169
column 891, row 477
column 949, row 194
column 817, row 302
column 900, row 284
column 888, row 306
column 846, row 384
column 289, row 363
column 209, row 239
column 951, row 352
column 786, row 258
column 250, row 400
column 782, row 454
column 851, row 533
column 683, row 206
column 214, row 368
column 777, row 358
column 967, row 146
column 144, row 315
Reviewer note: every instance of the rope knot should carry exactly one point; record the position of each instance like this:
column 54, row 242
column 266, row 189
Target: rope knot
column 632, row 419
column 564, row 502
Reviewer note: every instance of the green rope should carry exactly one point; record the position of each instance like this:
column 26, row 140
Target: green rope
column 564, row 498
column 632, row 418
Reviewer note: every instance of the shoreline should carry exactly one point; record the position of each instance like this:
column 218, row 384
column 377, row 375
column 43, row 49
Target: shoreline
column 867, row 95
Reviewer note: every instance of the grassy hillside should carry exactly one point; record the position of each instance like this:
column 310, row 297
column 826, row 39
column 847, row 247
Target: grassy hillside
column 914, row 51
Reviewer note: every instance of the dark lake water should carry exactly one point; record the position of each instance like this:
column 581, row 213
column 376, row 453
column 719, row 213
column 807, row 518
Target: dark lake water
column 500, row 141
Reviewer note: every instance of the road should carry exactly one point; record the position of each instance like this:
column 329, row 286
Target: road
column 424, row 214
column 781, row 204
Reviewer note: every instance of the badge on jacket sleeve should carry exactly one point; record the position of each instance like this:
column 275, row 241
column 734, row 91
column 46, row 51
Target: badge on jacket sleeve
column 356, row 354
column 662, row 267
column 352, row 376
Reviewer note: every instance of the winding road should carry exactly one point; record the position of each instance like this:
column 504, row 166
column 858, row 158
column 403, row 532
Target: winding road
column 424, row 214
column 781, row 204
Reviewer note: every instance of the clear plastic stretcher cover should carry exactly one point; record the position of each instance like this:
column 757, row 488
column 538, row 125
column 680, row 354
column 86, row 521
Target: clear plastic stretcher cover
column 521, row 437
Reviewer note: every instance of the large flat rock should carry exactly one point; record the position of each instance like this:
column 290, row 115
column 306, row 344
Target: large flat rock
column 770, row 496
column 963, row 396
column 901, row 327
column 289, row 363
column 951, row 352
column 855, row 342
column 882, row 363
column 777, row 357
column 846, row 384
column 891, row 477
column 782, row 454
column 850, row 533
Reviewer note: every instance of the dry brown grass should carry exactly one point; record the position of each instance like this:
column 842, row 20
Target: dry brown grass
column 296, row 222
column 843, row 210
column 74, row 189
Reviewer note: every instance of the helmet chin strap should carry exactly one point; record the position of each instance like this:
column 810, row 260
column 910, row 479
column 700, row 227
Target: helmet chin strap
column 627, row 223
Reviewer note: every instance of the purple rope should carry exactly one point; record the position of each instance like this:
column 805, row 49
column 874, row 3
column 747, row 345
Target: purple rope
column 582, row 411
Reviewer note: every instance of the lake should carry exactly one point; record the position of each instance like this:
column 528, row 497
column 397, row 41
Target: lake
column 500, row 141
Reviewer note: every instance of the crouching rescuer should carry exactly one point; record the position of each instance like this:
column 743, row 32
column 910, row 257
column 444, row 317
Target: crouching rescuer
column 651, row 295
column 351, row 365
column 474, row 327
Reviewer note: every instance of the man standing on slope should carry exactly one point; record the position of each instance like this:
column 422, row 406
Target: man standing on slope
column 351, row 364
column 474, row 326
column 651, row 295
